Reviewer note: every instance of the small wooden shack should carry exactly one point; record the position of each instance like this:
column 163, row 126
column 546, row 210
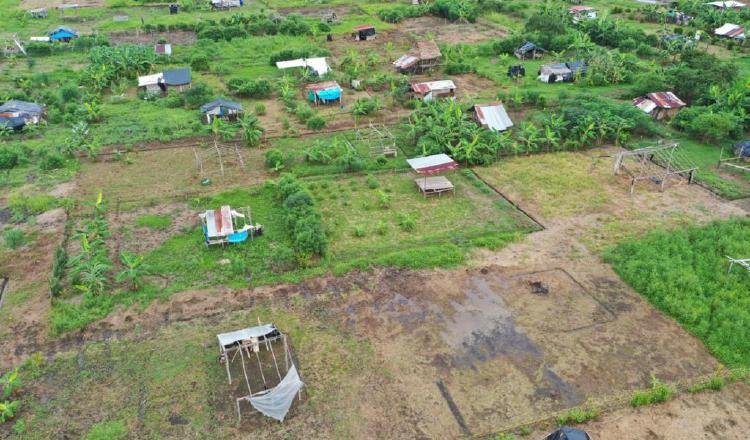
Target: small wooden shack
column 364, row 33
column 427, row 91
column 425, row 56
column 660, row 105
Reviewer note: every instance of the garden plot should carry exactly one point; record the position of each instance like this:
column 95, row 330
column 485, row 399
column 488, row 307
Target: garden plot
column 149, row 177
column 450, row 32
column 138, row 37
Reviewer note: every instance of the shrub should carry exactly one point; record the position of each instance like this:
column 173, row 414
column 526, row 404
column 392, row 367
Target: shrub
column 260, row 109
column 407, row 222
column 197, row 95
column 365, row 106
column 659, row 392
column 251, row 89
column 384, row 200
column 274, row 159
column 51, row 160
column 358, row 231
column 14, row 238
column 578, row 415
column 381, row 228
column 113, row 430
column 316, row 123
column 8, row 159
column 372, row 182
column 200, row 62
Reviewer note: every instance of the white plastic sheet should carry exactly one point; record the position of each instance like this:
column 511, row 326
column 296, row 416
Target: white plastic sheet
column 277, row 401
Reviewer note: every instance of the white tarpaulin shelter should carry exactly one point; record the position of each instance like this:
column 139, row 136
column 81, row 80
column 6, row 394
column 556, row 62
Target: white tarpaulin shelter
column 276, row 402
column 318, row 66
column 272, row 400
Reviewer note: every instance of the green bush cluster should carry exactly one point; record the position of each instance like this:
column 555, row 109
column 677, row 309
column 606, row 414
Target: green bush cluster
column 658, row 393
column 257, row 89
column 242, row 26
column 302, row 219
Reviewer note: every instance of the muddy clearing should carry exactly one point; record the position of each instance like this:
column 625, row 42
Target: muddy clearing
column 449, row 32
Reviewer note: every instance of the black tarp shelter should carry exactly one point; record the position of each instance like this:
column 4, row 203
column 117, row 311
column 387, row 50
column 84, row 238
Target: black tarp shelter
column 567, row 433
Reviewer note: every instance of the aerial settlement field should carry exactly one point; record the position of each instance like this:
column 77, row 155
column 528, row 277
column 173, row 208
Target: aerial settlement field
column 303, row 219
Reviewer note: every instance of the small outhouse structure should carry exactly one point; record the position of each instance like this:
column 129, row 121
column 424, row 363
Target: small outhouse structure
column 427, row 91
column 364, row 33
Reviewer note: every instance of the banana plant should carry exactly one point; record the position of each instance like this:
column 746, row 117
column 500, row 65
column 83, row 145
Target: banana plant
column 134, row 270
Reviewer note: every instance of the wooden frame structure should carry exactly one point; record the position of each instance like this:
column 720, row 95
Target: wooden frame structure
column 215, row 153
column 668, row 158
column 379, row 138
column 253, row 345
column 738, row 162
column 744, row 262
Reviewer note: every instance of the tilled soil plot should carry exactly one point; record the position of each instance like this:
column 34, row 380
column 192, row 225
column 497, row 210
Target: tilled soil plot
column 448, row 32
column 172, row 37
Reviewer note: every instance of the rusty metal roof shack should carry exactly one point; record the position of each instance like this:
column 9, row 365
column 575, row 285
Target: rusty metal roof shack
column 660, row 105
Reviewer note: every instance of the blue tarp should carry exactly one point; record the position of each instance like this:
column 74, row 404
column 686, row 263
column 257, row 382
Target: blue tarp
column 742, row 149
column 333, row 94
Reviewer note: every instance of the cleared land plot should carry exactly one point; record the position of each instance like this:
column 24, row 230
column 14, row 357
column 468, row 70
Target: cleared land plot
column 578, row 189
column 155, row 176
column 493, row 342
column 449, row 32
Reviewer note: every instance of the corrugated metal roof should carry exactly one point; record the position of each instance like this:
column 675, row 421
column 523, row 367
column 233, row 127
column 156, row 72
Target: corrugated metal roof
column 14, row 106
column 221, row 103
column 431, row 86
column 556, row 68
column 493, row 116
column 177, row 77
column 406, row 61
column 644, row 104
column 432, row 164
column 666, row 100
column 730, row 30
column 580, row 8
column 364, row 27
column 528, row 47
column 226, row 339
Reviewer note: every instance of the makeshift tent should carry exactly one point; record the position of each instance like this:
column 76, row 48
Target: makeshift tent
column 529, row 50
column 221, row 108
column 729, row 4
column 364, row 33
column 219, row 226
column 152, row 83
column 318, row 66
column 324, row 92
column 273, row 401
column 492, row 116
column 62, row 34
column 566, row 433
column 12, row 123
column 516, row 71
column 431, row 165
column 557, row 72
column 742, row 148
column 30, row 112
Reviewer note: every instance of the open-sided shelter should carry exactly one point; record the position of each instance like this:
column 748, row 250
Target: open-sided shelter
column 317, row 66
column 29, row 112
column 62, row 34
column 221, row 226
column 324, row 92
column 566, row 433
column 429, row 165
column 529, row 50
column 730, row 30
column 660, row 105
column 562, row 72
column 274, row 396
column 492, row 116
column 221, row 108
column 364, row 32
column 226, row 4
column 427, row 91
